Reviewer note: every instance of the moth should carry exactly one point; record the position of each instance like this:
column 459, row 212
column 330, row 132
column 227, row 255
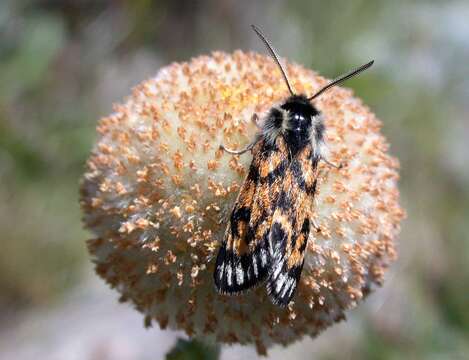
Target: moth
column 271, row 222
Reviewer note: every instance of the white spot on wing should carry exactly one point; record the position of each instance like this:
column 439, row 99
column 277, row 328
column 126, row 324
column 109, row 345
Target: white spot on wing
column 292, row 287
column 239, row 274
column 228, row 274
column 277, row 270
column 263, row 257
column 279, row 283
column 254, row 264
column 221, row 269
column 288, row 285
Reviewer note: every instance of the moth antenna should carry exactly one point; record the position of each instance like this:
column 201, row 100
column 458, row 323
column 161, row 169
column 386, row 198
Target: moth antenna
column 273, row 54
column 342, row 78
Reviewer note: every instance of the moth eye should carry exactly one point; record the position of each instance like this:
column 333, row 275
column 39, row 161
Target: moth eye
column 299, row 118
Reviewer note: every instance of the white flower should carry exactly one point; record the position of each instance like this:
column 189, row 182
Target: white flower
column 157, row 193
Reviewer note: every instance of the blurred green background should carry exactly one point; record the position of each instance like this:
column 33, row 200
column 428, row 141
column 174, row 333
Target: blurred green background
column 64, row 62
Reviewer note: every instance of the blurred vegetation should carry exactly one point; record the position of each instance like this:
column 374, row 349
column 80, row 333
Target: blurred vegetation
column 63, row 64
column 193, row 350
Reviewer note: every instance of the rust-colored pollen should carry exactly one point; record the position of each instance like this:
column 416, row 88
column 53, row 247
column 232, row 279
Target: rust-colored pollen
column 158, row 191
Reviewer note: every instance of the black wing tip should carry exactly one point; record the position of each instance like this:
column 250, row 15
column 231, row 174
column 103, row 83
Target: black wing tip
column 235, row 274
column 283, row 283
column 224, row 288
column 277, row 298
column 278, row 301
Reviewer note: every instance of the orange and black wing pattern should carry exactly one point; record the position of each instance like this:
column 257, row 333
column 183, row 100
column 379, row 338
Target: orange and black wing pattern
column 290, row 227
column 243, row 260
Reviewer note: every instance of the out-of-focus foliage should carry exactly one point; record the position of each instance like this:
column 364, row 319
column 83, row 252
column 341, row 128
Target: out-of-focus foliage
column 63, row 64
column 192, row 350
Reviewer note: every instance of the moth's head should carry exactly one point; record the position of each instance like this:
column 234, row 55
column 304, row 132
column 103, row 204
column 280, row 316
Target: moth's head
column 297, row 118
column 301, row 116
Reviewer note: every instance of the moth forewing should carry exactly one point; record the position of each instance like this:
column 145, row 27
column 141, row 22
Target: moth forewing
column 243, row 258
column 291, row 226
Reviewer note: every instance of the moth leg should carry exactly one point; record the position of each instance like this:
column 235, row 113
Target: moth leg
column 255, row 120
column 331, row 164
column 315, row 226
column 239, row 152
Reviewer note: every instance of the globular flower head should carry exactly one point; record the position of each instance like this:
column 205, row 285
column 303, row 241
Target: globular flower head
column 158, row 191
